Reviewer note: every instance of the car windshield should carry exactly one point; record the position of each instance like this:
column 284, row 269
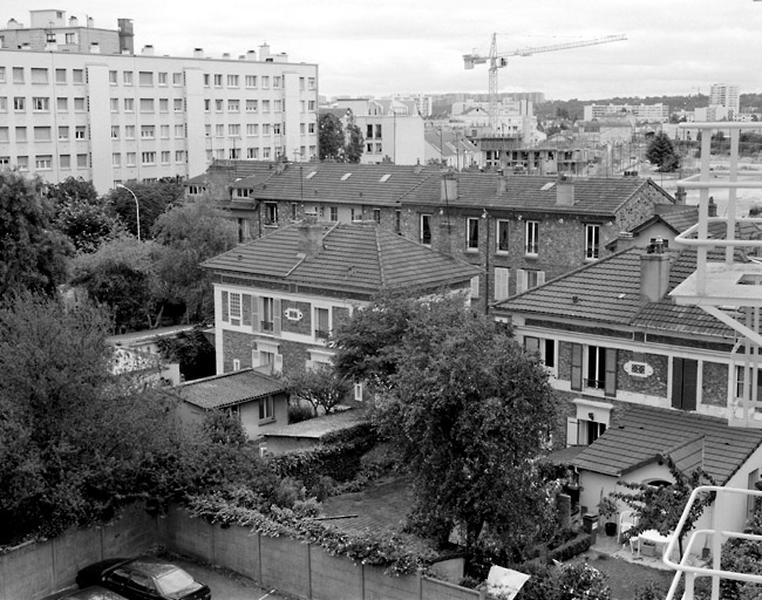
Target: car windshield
column 172, row 582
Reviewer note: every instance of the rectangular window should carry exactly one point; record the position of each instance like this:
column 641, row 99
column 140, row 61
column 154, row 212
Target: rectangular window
column 127, row 77
column 311, row 105
column 130, row 159
column 163, row 105
column 501, row 237
column 162, row 78
column 596, row 367
column 19, row 103
column 265, row 82
column 310, row 128
column 63, row 133
column 502, row 278
column 219, row 130
column 251, row 106
column 177, row 78
column 64, row 160
column 3, row 103
column 334, row 213
column 115, row 132
column 80, row 132
column 60, row 75
column 252, row 129
column 22, row 162
column 166, row 156
column 164, row 132
column 129, row 132
column 207, row 105
column 232, row 80
column 2, row 73
column 266, row 411
column 276, row 128
column 271, row 213
column 145, row 78
column 116, row 159
column 62, row 104
column 43, row 163
column 276, row 82
column 218, row 80
column 18, row 74
column 40, row 104
column 79, row 104
column 39, row 75
column 266, row 106
column 265, row 128
column 178, row 105
column 311, row 83
column 5, row 135
column 322, row 325
column 234, row 105
column 592, row 241
column 474, row 287
column 528, row 278
column 277, row 105
column 129, row 105
column 42, row 134
column 377, row 215
column 82, row 161
column 531, row 238
column 179, row 156
column 148, row 158
column 180, row 130
column 472, row 234
column 147, row 132
column 544, row 348
column 425, row 230
column 112, row 77
column 114, row 104
column 146, row 105
column 267, row 314
column 21, row 134
column 266, row 152
column 251, row 81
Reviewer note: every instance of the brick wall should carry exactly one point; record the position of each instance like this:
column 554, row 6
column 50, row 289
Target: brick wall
column 654, row 384
column 302, row 326
column 236, row 344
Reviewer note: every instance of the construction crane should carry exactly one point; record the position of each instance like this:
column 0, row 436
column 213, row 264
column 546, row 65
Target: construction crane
column 498, row 61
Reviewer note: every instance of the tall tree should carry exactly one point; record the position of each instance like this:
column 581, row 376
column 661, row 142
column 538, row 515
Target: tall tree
column 33, row 254
column 321, row 388
column 661, row 152
column 331, row 137
column 154, row 198
column 468, row 410
column 190, row 234
column 355, row 144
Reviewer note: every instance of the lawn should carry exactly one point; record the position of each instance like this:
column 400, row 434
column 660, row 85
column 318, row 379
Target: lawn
column 625, row 578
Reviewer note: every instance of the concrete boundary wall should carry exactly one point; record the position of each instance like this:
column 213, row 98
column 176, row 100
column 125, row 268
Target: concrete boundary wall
column 34, row 570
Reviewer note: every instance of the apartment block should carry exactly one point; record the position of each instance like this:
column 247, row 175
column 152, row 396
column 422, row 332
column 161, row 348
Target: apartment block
column 722, row 94
column 112, row 118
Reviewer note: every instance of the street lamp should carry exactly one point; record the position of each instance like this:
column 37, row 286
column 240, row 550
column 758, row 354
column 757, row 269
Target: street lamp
column 137, row 205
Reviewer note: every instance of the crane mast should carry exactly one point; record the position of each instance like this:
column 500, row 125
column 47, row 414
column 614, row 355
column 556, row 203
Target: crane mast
column 498, row 61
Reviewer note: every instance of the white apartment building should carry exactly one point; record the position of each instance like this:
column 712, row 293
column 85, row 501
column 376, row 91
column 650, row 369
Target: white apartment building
column 658, row 112
column 722, row 94
column 113, row 118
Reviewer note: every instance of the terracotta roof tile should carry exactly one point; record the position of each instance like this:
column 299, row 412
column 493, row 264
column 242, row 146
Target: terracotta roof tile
column 229, row 389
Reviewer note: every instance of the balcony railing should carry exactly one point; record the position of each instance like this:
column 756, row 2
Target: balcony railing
column 266, row 325
column 712, row 538
column 322, row 334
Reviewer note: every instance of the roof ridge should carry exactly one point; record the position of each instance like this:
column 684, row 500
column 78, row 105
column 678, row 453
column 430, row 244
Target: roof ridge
column 380, row 258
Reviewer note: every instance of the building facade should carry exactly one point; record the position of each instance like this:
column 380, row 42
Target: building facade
column 113, row 118
column 727, row 96
column 658, row 112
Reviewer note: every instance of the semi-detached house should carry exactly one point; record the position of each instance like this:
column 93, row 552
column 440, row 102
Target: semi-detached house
column 278, row 298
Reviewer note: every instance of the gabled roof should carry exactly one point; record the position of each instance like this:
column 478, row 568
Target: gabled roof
column 643, row 434
column 328, row 182
column 351, row 257
column 230, row 389
column 234, row 170
column 601, row 196
column 608, row 292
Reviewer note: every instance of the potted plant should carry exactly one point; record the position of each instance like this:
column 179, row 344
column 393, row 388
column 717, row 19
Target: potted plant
column 607, row 509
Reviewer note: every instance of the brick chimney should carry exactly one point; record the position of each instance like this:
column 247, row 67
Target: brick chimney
column 502, row 185
column 310, row 238
column 654, row 271
column 449, row 187
column 564, row 192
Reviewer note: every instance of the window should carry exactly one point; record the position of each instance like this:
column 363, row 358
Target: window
column 21, row 134
column 62, row 104
column 147, row 132
column 377, row 215
column 3, row 103
column 180, row 130
column 177, row 78
column 310, row 105
column 252, row 129
column 179, row 156
column 166, row 155
column 80, row 132
column 148, row 158
column 251, row 106
column 178, row 105
column 79, row 104
column 164, row 132
column 592, row 241
column 740, row 378
column 234, row 129
column 70, row 38
column 129, row 132
column 42, row 134
column 276, row 82
column 129, row 105
column 114, row 104
column 322, row 324
column 116, row 159
column 595, row 374
column 82, row 161
column 18, row 74
column 232, row 80
column 161, row 78
column 207, row 105
column 44, row 162
column 234, row 105
column 276, row 128
column 265, row 106
column 5, row 135
column 146, row 105
column 531, row 238
column 40, row 103
column 60, row 75
column 502, row 277
column 2, row 73
column 22, row 162
column 115, row 132
column 218, row 80
column 130, row 158
column 472, row 234
column 271, row 212
column 311, row 128
column 266, row 152
column 5, row 161
column 267, row 314
column 19, row 103
column 266, row 412
column 358, row 392
column 39, row 75
column 163, row 105
column 277, row 105
column 265, row 82
column 218, row 105
column 64, row 160
column 219, row 130
column 112, row 77
column 251, row 81
column 501, row 236
column 425, row 230
column 265, row 128
column 545, row 349
column 145, row 78
column 127, row 77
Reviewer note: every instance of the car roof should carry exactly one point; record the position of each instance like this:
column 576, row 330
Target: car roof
column 154, row 568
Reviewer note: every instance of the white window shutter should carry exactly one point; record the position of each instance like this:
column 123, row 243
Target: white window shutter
column 572, row 438
column 278, row 364
column 255, row 358
column 501, row 283
column 521, row 280
column 475, row 287
column 540, row 277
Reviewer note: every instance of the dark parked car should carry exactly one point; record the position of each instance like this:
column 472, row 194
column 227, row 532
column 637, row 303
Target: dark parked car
column 144, row 579
column 95, row 592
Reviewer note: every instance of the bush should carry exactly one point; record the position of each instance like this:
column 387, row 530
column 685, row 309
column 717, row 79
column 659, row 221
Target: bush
column 571, row 548
column 299, row 412
column 583, row 581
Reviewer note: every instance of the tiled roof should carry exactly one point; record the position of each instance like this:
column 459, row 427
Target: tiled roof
column 235, row 170
column 319, row 426
column 328, row 182
column 593, row 196
column 608, row 291
column 644, row 433
column 229, row 389
column 356, row 257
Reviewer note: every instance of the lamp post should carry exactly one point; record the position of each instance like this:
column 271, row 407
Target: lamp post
column 137, row 206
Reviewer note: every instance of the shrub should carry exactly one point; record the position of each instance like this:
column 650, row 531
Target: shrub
column 583, row 581
column 571, row 548
column 299, row 412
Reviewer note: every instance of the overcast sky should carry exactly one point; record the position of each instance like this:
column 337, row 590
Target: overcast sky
column 401, row 46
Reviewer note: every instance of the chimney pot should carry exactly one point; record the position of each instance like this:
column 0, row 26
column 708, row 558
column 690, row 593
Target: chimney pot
column 198, row 53
column 310, row 237
column 449, row 187
column 564, row 192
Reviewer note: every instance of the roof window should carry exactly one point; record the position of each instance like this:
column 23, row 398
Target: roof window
column 547, row 186
column 311, row 174
column 385, row 178
column 346, row 176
